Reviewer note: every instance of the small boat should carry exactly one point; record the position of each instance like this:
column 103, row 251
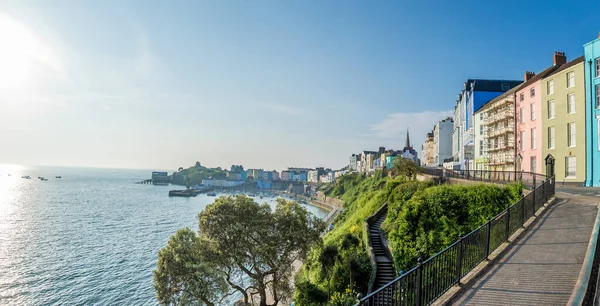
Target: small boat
column 211, row 194
column 27, row 177
column 58, row 176
column 43, row 179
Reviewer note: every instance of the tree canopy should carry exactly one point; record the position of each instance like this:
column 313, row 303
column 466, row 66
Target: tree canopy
column 182, row 276
column 249, row 247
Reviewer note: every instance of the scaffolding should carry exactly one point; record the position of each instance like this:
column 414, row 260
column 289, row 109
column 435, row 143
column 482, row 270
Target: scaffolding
column 499, row 133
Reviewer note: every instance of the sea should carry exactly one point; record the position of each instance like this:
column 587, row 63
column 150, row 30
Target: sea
column 89, row 238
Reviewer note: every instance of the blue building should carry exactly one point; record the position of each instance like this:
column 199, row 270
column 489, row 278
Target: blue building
column 592, row 111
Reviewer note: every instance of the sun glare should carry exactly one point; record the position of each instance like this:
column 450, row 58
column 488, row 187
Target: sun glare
column 17, row 52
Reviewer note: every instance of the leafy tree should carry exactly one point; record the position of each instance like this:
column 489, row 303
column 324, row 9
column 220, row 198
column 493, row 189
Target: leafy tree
column 251, row 240
column 405, row 167
column 182, row 276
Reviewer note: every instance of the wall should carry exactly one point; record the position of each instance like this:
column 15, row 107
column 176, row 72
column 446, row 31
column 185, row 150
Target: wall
column 592, row 51
column 561, row 118
column 527, row 153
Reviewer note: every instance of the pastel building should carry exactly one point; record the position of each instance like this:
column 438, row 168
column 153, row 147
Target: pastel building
column 529, row 117
column 563, row 122
column 285, row 175
column 313, row 176
column 592, row 111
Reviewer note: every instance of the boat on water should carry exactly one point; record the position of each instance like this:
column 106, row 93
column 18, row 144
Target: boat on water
column 58, row 176
column 182, row 193
column 27, row 177
column 211, row 194
column 43, row 179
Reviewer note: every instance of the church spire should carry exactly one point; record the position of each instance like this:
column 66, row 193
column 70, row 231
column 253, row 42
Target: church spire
column 407, row 144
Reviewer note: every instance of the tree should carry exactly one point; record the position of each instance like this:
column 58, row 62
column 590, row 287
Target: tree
column 405, row 167
column 327, row 259
column 182, row 276
column 263, row 245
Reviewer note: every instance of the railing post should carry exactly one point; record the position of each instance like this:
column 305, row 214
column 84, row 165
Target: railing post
column 507, row 225
column 534, row 200
column 543, row 191
column 419, row 283
column 522, row 210
column 488, row 235
column 459, row 255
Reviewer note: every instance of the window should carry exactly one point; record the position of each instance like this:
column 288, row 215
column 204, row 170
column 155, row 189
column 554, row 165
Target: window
column 532, row 92
column 550, row 87
column 522, row 114
column 533, row 162
column 571, row 104
column 522, row 96
column 481, row 147
column 481, row 116
column 598, row 67
column 551, row 109
column 570, row 167
column 522, row 140
column 551, row 137
column 598, row 96
column 532, row 107
column 505, row 86
column 571, row 134
column 570, row 79
column 481, row 129
column 533, row 139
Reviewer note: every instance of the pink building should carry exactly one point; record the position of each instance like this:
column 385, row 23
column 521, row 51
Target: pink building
column 529, row 117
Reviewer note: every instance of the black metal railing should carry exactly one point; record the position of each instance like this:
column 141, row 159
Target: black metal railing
column 431, row 278
column 492, row 176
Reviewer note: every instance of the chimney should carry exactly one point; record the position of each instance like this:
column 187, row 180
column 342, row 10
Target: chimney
column 528, row 75
column 559, row 58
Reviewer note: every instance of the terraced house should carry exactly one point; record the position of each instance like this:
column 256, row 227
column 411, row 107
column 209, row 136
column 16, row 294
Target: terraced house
column 529, row 120
column 563, row 121
column 592, row 112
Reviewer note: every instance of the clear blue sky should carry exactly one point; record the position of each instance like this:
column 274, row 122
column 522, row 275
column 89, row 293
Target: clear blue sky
column 269, row 84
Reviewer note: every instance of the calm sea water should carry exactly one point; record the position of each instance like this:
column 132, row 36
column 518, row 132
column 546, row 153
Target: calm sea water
column 89, row 238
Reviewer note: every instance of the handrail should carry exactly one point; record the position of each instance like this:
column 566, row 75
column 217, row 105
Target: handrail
column 426, row 282
column 580, row 293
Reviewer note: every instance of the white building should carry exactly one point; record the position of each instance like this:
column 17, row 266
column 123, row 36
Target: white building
column 442, row 141
column 313, row 176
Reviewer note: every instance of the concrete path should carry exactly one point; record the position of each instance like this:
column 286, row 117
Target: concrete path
column 540, row 268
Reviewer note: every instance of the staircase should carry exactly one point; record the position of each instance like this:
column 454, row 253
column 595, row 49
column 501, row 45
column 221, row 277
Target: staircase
column 385, row 265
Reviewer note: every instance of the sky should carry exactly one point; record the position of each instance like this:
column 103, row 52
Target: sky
column 267, row 84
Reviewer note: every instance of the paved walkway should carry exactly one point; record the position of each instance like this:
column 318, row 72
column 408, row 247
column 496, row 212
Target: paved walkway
column 540, row 268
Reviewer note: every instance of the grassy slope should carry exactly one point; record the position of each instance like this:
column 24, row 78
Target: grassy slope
column 196, row 175
column 422, row 219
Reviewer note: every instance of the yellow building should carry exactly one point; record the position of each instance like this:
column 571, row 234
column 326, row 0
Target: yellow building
column 563, row 121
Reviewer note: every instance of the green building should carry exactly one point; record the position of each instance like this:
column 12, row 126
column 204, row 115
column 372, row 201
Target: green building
column 563, row 121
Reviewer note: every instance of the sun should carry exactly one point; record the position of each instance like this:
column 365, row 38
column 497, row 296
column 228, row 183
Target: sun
column 17, row 53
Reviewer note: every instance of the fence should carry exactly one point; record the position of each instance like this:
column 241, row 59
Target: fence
column 431, row 278
column 527, row 178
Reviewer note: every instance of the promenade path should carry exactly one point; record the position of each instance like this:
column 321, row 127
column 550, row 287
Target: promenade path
column 542, row 266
